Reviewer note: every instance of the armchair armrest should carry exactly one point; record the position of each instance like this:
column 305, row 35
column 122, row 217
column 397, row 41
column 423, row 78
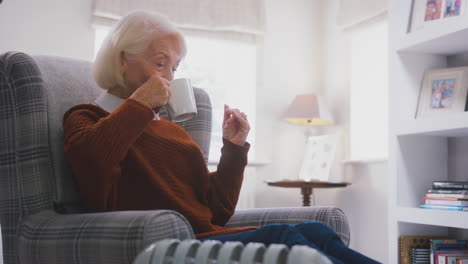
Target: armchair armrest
column 111, row 237
column 330, row 216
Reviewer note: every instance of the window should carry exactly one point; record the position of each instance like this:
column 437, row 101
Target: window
column 369, row 92
column 226, row 69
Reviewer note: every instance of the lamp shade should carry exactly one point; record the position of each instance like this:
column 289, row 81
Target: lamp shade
column 308, row 109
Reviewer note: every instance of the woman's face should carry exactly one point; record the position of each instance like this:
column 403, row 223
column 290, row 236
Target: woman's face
column 161, row 57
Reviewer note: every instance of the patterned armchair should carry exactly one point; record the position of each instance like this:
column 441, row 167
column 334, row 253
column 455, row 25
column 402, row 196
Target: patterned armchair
column 40, row 213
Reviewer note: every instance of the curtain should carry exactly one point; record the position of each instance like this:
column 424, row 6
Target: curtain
column 244, row 16
column 354, row 12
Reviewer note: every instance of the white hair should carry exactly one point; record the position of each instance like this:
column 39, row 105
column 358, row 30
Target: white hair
column 132, row 35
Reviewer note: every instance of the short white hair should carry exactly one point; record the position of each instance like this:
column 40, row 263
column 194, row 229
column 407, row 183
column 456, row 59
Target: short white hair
column 132, row 35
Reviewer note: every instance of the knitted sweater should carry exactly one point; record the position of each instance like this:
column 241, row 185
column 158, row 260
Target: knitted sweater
column 125, row 160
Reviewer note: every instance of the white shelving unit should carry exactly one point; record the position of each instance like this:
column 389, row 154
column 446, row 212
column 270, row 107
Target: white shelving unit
column 426, row 149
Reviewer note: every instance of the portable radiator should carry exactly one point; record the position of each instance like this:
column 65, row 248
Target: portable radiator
column 173, row 251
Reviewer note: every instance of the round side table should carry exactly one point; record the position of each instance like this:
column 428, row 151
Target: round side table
column 306, row 186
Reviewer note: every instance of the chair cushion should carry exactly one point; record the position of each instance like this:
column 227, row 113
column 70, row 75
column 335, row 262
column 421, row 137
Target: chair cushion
column 67, row 82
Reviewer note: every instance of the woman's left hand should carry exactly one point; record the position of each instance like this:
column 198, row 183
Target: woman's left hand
column 235, row 126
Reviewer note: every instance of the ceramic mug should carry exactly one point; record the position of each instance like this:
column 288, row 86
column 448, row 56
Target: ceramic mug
column 181, row 105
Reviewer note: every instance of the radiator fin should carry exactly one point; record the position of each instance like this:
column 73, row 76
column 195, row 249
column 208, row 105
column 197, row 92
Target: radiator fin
column 174, row 251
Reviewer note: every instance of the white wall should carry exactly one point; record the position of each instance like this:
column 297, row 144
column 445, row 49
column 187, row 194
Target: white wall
column 365, row 201
column 292, row 57
column 48, row 27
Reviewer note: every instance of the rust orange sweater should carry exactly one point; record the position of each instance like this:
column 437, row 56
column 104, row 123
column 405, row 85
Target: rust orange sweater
column 125, row 160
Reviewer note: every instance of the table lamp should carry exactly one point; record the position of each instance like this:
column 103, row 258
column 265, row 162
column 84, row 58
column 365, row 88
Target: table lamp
column 310, row 111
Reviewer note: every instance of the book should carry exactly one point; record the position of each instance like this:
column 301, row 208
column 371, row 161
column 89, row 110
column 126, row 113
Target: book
column 408, row 243
column 445, row 191
column 442, row 257
column 453, row 260
column 444, row 198
column 450, row 185
column 420, row 250
column 447, row 195
column 421, row 260
column 446, row 246
column 420, row 255
column 446, row 202
column 444, row 207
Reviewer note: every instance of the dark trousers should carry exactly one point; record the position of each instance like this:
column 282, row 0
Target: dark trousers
column 313, row 234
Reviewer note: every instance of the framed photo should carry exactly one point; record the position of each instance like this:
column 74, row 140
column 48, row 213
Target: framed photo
column 426, row 12
column 443, row 91
column 318, row 157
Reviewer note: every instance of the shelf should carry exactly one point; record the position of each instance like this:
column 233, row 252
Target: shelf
column 451, row 125
column 445, row 218
column 445, row 37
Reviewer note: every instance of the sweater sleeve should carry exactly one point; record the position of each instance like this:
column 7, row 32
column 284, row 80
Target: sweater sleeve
column 95, row 146
column 227, row 181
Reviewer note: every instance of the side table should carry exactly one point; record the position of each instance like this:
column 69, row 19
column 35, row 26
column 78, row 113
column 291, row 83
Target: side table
column 306, row 186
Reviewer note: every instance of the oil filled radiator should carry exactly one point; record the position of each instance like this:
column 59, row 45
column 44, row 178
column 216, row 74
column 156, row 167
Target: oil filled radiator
column 173, row 251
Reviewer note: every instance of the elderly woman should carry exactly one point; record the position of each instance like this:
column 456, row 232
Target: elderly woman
column 125, row 157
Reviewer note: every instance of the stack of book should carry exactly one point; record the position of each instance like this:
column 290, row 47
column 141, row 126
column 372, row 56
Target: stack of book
column 449, row 251
column 447, row 195
column 420, row 256
column 433, row 250
column 416, row 249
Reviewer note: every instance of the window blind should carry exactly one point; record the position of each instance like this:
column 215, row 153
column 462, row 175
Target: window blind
column 354, row 12
column 245, row 16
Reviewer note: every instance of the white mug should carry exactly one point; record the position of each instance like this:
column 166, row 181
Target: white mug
column 181, row 105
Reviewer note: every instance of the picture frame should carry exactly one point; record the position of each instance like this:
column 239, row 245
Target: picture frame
column 426, row 12
column 318, row 157
column 443, row 91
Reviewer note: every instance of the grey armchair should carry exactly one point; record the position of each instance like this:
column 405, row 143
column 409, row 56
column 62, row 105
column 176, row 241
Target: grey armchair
column 40, row 213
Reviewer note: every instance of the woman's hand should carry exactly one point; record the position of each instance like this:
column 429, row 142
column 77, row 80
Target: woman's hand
column 154, row 93
column 235, row 126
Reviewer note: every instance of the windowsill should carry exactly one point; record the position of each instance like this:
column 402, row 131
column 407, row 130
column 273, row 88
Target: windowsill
column 363, row 161
column 250, row 164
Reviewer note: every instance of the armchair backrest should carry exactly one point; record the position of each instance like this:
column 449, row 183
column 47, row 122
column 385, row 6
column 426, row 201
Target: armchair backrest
column 34, row 95
column 26, row 175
